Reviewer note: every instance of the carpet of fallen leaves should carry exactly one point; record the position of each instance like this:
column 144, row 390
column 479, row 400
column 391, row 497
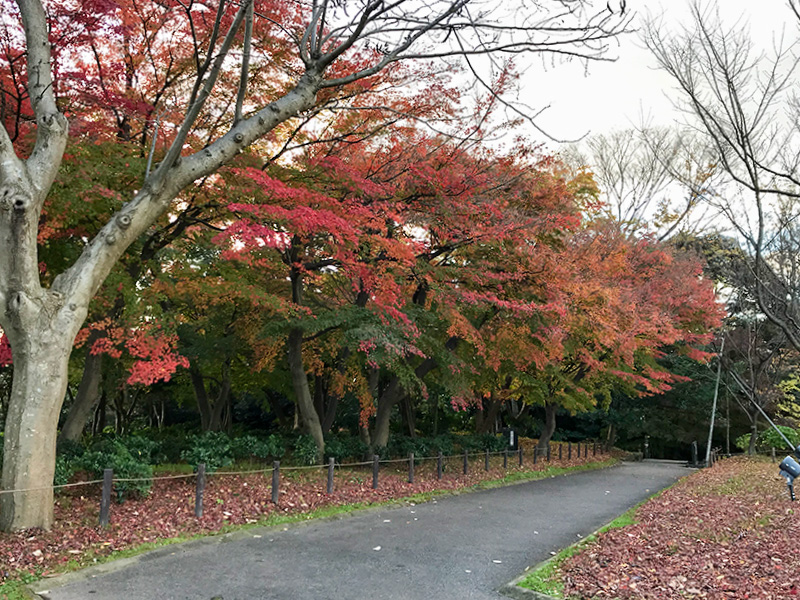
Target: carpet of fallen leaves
column 725, row 532
column 168, row 511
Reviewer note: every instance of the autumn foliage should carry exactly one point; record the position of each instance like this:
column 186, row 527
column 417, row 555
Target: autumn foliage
column 369, row 247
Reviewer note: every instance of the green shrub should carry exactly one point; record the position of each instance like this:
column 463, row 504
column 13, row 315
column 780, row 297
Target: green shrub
column 743, row 442
column 305, row 450
column 246, row 446
column 140, row 447
column 70, row 449
column 113, row 454
column 469, row 443
column 212, row 448
column 444, row 444
column 65, row 469
column 249, row 446
column 492, row 442
column 344, row 447
column 769, row 438
column 401, row 447
column 274, row 446
column 170, row 446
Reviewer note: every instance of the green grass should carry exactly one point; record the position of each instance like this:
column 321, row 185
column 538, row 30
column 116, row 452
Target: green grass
column 17, row 590
column 547, row 578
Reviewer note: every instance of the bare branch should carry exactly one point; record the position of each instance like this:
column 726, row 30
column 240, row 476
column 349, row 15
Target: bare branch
column 51, row 133
column 248, row 42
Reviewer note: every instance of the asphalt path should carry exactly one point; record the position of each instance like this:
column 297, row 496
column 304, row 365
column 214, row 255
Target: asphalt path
column 461, row 547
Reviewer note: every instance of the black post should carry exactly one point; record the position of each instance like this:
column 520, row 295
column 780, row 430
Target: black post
column 439, row 466
column 486, row 462
column 694, row 454
column 375, row 466
column 548, row 452
column 535, row 453
column 505, row 458
column 466, row 463
column 200, row 488
column 569, row 450
column 585, row 449
column 331, row 466
column 594, row 449
column 520, row 455
column 276, row 480
column 560, row 451
column 105, row 498
column 411, row 468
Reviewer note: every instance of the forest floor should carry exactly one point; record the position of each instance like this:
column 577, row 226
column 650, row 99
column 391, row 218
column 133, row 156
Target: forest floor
column 730, row 531
column 232, row 501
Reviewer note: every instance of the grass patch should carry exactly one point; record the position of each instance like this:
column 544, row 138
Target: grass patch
column 17, row 590
column 547, row 578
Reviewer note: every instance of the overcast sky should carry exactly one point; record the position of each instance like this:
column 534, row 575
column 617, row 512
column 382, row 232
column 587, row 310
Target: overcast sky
column 618, row 94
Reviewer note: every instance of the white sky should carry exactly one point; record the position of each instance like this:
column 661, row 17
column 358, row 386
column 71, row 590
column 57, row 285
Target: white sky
column 620, row 94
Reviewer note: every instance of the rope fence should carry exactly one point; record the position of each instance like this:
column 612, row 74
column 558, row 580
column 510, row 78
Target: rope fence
column 201, row 475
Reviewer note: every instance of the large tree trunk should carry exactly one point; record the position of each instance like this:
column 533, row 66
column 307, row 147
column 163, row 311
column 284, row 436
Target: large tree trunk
column 87, row 397
column 216, row 416
column 99, row 417
column 294, row 349
column 409, row 416
column 549, row 427
column 486, row 418
column 305, row 403
column 29, row 450
column 387, row 400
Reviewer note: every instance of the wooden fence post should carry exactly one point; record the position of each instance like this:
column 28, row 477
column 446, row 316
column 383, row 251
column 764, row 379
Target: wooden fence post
column 439, row 465
column 276, row 480
column 199, row 490
column 466, row 462
column 594, row 449
column 520, row 455
column 375, row 466
column 486, row 462
column 569, row 450
column 411, row 468
column 505, row 458
column 105, row 498
column 331, row 466
column 535, row 454
column 548, row 452
column 560, row 451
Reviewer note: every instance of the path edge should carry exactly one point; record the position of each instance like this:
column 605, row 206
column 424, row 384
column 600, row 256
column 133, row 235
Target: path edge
column 512, row 589
column 40, row 589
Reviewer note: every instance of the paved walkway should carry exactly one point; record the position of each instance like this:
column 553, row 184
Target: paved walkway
column 460, row 547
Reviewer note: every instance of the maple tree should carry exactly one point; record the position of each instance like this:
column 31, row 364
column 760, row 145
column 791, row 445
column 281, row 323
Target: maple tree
column 207, row 120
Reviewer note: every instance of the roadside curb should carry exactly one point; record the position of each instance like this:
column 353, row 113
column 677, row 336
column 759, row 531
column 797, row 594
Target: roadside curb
column 513, row 590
